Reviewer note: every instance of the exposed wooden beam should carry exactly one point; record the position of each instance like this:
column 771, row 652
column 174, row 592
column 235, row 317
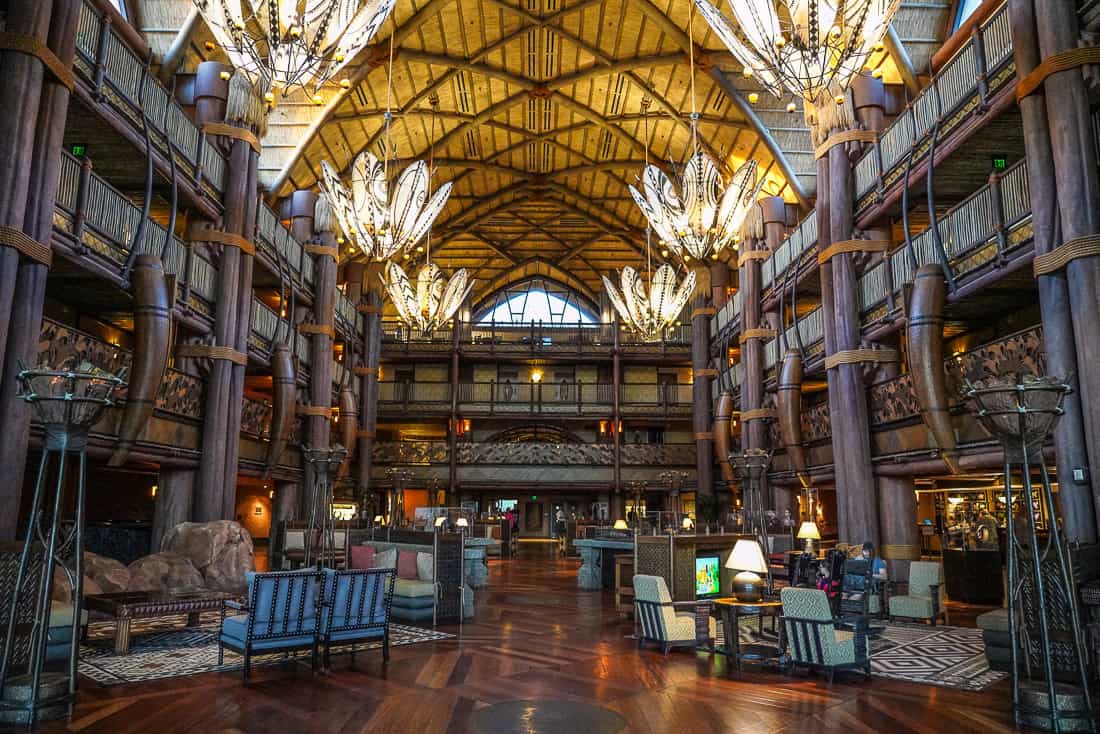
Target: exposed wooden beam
column 896, row 48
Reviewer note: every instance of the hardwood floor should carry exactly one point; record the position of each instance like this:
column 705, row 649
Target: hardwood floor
column 534, row 637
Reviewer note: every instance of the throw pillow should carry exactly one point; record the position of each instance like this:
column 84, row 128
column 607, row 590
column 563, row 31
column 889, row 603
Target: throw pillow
column 385, row 559
column 362, row 556
column 406, row 565
column 425, row 567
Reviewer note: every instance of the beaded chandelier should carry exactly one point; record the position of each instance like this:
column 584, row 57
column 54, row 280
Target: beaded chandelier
column 293, row 43
column 380, row 224
column 650, row 313
column 435, row 300
column 813, row 48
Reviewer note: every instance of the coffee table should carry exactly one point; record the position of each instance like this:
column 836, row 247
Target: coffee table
column 731, row 610
column 125, row 606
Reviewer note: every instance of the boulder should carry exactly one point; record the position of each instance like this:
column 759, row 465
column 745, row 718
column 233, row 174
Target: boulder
column 164, row 572
column 221, row 550
column 61, row 590
column 108, row 574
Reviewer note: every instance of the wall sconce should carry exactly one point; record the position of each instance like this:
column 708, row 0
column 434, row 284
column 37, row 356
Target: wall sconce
column 153, row 491
column 271, row 494
column 536, row 375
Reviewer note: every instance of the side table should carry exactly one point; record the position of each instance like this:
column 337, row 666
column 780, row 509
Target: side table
column 732, row 610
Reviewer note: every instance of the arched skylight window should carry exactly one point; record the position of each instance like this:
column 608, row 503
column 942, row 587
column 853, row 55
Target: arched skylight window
column 533, row 301
column 966, row 8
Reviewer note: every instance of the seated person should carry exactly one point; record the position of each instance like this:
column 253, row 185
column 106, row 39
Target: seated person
column 878, row 566
column 826, row 583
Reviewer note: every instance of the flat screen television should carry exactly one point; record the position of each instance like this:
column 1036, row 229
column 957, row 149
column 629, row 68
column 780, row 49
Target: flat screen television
column 708, row 580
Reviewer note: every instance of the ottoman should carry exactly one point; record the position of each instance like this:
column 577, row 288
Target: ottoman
column 997, row 639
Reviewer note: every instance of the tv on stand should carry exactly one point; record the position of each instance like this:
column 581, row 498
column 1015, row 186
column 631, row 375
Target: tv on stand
column 708, row 576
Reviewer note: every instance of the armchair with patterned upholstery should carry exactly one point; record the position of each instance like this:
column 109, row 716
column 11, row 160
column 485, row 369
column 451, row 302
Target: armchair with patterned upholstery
column 661, row 623
column 812, row 639
column 922, row 601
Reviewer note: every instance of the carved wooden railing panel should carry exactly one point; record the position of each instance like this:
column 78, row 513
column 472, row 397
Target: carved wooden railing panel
column 409, row 452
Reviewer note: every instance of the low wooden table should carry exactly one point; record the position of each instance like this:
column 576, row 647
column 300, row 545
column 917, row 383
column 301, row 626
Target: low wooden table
column 128, row 605
column 731, row 609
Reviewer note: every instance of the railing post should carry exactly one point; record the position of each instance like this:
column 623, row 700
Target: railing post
column 492, row 396
column 101, row 57
column 80, row 214
column 580, row 397
column 198, row 157
column 983, row 73
column 999, row 231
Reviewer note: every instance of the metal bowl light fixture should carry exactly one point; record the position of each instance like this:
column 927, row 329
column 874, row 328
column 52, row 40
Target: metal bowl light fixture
column 812, row 48
column 293, row 43
column 379, row 224
column 650, row 313
column 697, row 218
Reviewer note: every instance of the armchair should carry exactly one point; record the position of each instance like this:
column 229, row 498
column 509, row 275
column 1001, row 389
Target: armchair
column 661, row 623
column 355, row 608
column 280, row 616
column 923, row 598
column 812, row 639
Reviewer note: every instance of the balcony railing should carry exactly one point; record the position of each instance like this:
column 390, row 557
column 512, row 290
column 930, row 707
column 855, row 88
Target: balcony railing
column 536, row 337
column 265, row 324
column 533, row 453
column 726, row 315
column 989, row 225
column 811, row 331
column 803, row 238
column 536, row 397
column 348, row 318
column 979, row 69
column 119, row 77
column 275, row 240
column 109, row 221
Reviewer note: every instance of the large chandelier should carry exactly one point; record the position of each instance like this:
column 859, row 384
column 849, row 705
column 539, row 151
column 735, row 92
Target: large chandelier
column 435, row 300
column 813, row 48
column 293, row 43
column 690, row 218
column 380, row 224
column 650, row 313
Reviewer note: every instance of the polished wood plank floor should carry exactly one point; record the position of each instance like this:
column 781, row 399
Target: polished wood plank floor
column 534, row 637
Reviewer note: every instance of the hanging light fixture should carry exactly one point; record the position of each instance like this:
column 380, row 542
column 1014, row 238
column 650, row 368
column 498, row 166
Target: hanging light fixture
column 436, row 298
column 293, row 43
column 380, row 224
column 812, row 48
column 650, row 312
column 699, row 216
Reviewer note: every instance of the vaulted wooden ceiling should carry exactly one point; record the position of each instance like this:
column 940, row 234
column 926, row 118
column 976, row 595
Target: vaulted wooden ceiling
column 534, row 108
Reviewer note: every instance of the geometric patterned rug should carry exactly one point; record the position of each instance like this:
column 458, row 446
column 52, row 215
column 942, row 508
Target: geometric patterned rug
column 951, row 657
column 160, row 648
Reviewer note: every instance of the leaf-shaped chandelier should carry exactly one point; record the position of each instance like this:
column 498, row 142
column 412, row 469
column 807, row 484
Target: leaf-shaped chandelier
column 813, row 48
column 435, row 300
column 293, row 43
column 697, row 218
column 379, row 224
column 650, row 313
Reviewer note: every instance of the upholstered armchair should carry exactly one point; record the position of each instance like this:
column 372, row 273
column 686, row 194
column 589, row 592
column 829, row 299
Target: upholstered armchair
column 280, row 616
column 356, row 608
column 923, row 598
column 661, row 623
column 811, row 638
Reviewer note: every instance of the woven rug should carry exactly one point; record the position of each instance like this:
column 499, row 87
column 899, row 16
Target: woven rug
column 951, row 657
column 160, row 648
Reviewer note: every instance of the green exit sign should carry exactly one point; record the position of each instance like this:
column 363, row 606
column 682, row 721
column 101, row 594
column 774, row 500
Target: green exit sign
column 79, row 150
column 534, row 497
column 1000, row 163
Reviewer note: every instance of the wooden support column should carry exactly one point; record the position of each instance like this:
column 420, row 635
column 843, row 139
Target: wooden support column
column 284, row 506
column 754, row 330
column 851, row 442
column 370, row 304
column 175, row 491
column 774, row 210
column 31, row 135
column 214, row 487
column 898, row 521
column 452, row 433
column 616, row 412
column 719, row 283
column 700, row 390
column 1073, row 151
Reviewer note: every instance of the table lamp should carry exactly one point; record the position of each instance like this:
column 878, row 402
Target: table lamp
column 462, row 522
column 440, row 520
column 748, row 560
column 808, row 531
column 687, row 524
column 620, row 525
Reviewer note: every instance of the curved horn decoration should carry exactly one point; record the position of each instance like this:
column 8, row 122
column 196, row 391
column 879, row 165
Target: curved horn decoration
column 282, row 412
column 152, row 330
column 349, row 426
column 925, row 336
column 788, row 400
column 722, row 434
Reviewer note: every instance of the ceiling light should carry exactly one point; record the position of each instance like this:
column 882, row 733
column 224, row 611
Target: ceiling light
column 435, row 300
column 650, row 311
column 293, row 43
column 812, row 48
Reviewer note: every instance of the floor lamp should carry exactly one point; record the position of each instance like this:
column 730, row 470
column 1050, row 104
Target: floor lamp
column 324, row 462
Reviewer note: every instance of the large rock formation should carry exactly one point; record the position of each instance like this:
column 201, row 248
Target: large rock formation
column 106, row 573
column 164, row 572
column 63, row 592
column 221, row 550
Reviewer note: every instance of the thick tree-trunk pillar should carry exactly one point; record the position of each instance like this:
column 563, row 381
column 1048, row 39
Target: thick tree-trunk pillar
column 1077, row 185
column 851, row 442
column 175, row 491
column 284, row 506
column 774, row 210
column 719, row 284
column 370, row 305
column 31, row 135
column 898, row 522
column 616, row 414
column 702, row 372
column 452, row 435
column 754, row 330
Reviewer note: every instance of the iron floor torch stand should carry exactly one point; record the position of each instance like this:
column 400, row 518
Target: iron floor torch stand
column 325, row 462
column 750, row 467
column 1043, row 617
column 67, row 403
